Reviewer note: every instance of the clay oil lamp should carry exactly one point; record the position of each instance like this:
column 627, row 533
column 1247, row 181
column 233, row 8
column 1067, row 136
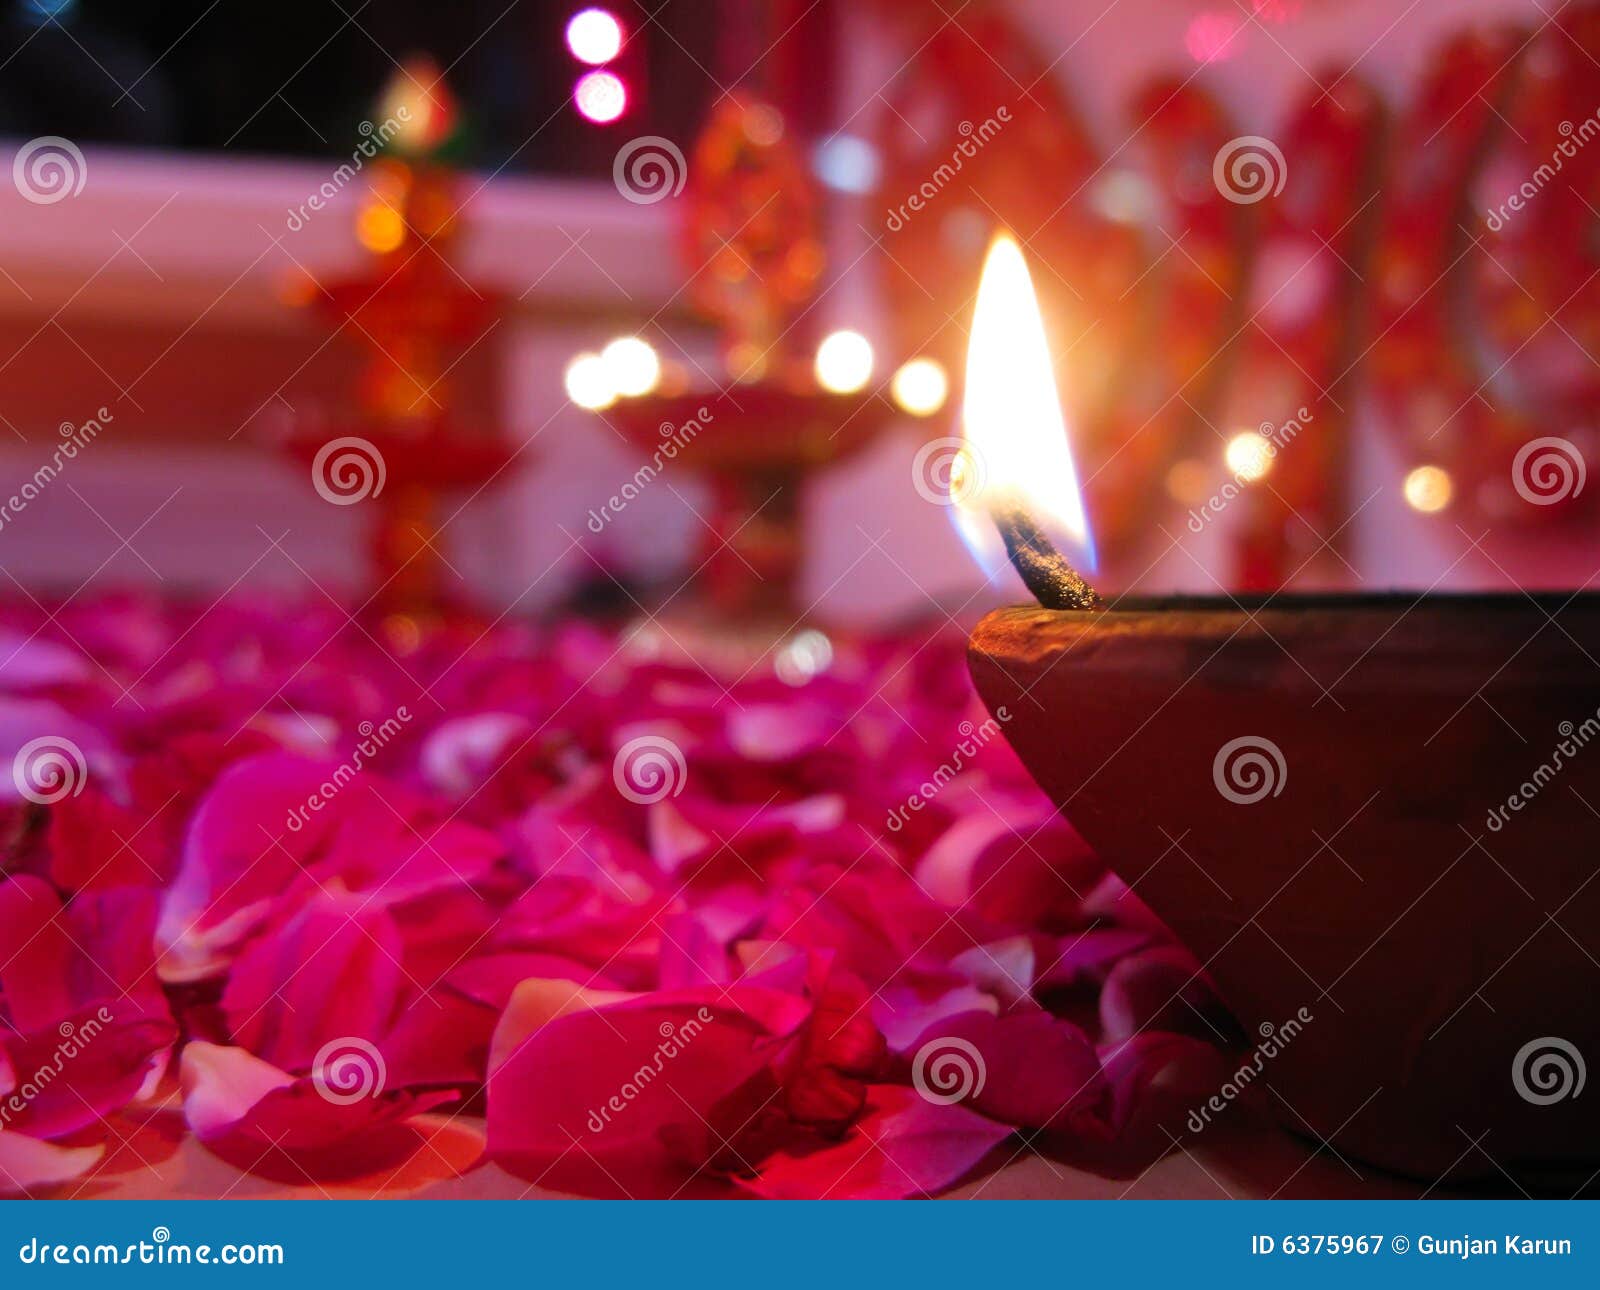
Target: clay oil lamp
column 1378, row 815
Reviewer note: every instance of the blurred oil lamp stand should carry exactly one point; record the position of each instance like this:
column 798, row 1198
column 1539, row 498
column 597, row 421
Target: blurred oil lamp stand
column 400, row 450
column 779, row 413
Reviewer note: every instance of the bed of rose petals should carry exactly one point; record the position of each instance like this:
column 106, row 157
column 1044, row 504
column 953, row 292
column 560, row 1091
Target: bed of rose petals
column 301, row 880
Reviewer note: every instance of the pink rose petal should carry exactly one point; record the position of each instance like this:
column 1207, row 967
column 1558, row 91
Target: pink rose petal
column 441, row 1039
column 35, row 954
column 903, row 1146
column 1161, row 988
column 330, row 971
column 654, row 1070
column 904, row 1014
column 1156, row 1080
column 1004, row 969
column 237, row 1104
column 239, row 856
column 491, row 979
column 28, row 1165
column 72, row 1074
column 1028, row 1068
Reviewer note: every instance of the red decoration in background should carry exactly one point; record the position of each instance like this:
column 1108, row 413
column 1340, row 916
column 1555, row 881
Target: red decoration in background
column 1525, row 302
column 1311, row 265
column 752, row 238
column 1476, row 351
column 1422, row 371
column 1191, row 304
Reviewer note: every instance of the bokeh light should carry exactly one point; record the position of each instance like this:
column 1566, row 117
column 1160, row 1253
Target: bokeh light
column 594, row 36
column 1428, row 489
column 380, row 228
column 600, row 96
column 1249, row 456
column 588, row 382
column 844, row 362
column 805, row 655
column 847, row 163
column 632, row 366
column 920, row 387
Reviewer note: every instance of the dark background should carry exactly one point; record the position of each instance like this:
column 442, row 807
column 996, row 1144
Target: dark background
column 296, row 79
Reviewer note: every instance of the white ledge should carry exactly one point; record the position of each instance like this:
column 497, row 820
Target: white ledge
column 178, row 236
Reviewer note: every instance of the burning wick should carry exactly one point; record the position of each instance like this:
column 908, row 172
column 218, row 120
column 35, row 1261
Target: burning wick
column 1015, row 467
column 1054, row 583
